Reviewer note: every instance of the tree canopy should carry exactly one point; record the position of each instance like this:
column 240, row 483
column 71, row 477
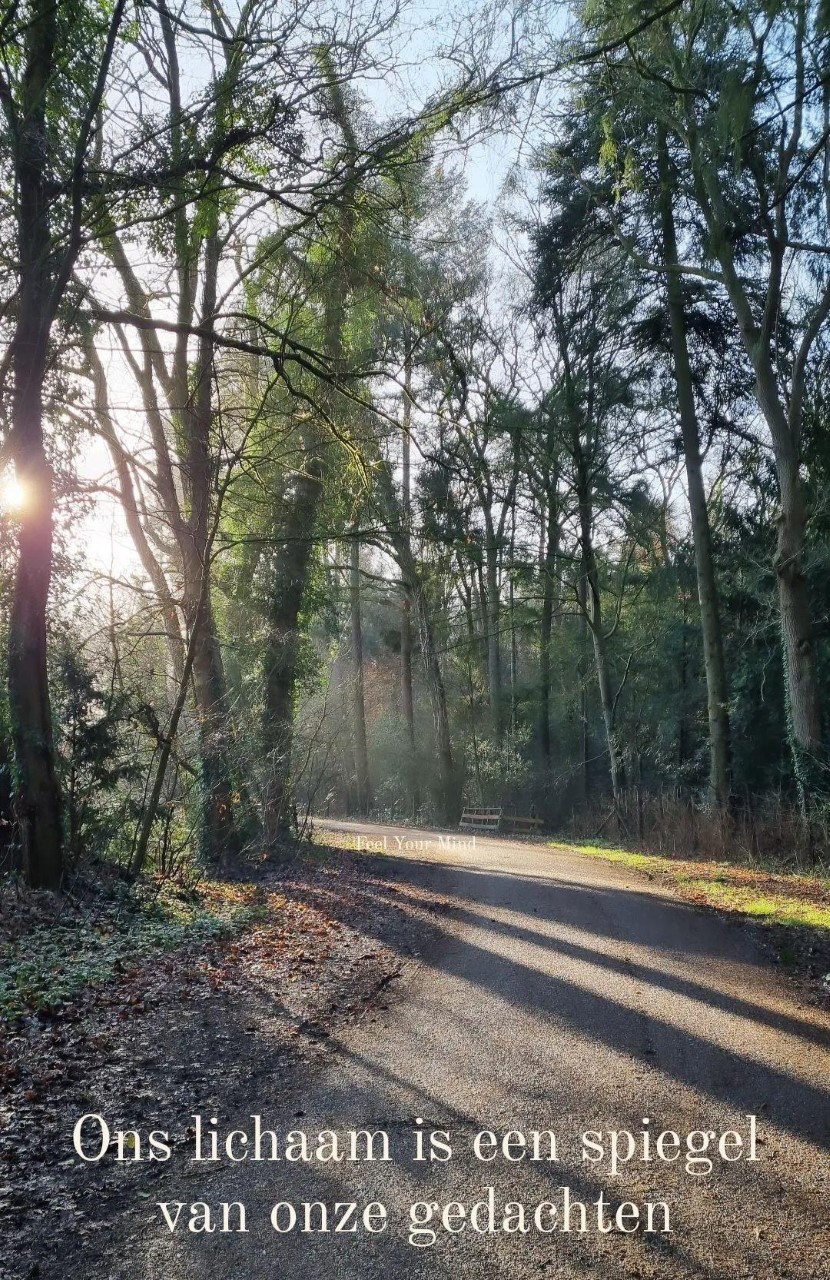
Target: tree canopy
column 331, row 483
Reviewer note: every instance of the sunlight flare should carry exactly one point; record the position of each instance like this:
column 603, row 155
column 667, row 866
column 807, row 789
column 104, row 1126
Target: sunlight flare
column 12, row 494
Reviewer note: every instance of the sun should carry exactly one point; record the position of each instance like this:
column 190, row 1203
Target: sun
column 12, row 495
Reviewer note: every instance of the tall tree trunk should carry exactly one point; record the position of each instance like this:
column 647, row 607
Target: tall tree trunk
column 446, row 791
column 584, row 725
column 220, row 838
column 188, row 392
column 545, row 630
column 295, row 561
column 551, row 548
column 717, row 694
column 593, row 601
column 607, row 703
column 784, row 423
column 793, row 593
column 361, row 754
column 219, row 833
column 683, row 684
column 142, row 844
column 514, row 646
column 407, row 701
column 37, row 790
column 282, row 645
column 133, row 517
column 493, row 622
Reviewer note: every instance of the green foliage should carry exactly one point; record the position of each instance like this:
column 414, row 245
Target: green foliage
column 795, row 902
column 55, row 962
column 547, row 486
column 97, row 767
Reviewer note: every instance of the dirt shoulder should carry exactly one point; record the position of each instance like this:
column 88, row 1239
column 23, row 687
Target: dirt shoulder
column 788, row 914
column 209, row 1023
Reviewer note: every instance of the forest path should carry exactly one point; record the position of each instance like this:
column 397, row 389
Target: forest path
column 567, row 994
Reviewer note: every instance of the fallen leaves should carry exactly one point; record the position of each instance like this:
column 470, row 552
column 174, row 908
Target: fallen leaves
column 201, row 1020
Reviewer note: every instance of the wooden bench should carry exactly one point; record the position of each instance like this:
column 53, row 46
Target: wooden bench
column 515, row 822
column 480, row 820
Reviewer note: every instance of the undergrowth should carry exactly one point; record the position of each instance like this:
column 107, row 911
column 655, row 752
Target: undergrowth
column 766, row 895
column 51, row 949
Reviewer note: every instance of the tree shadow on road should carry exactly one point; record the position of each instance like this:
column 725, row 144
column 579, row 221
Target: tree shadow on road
column 690, row 1057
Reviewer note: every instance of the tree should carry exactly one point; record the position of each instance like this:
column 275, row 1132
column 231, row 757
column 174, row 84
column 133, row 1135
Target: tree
column 589, row 301
column 632, row 202
column 361, row 755
column 707, row 589
column 56, row 63
column 758, row 183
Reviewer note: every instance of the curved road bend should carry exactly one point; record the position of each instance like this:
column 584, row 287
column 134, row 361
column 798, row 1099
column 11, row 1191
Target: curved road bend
column 563, row 994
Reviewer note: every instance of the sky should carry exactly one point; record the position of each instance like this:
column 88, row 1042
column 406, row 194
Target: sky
column 100, row 534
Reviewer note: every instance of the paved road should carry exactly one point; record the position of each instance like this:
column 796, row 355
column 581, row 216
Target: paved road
column 568, row 995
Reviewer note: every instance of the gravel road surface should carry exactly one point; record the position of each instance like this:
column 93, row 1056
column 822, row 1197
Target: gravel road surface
column 559, row 994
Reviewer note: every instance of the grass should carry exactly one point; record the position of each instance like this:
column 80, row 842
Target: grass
column 773, row 898
column 47, row 958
